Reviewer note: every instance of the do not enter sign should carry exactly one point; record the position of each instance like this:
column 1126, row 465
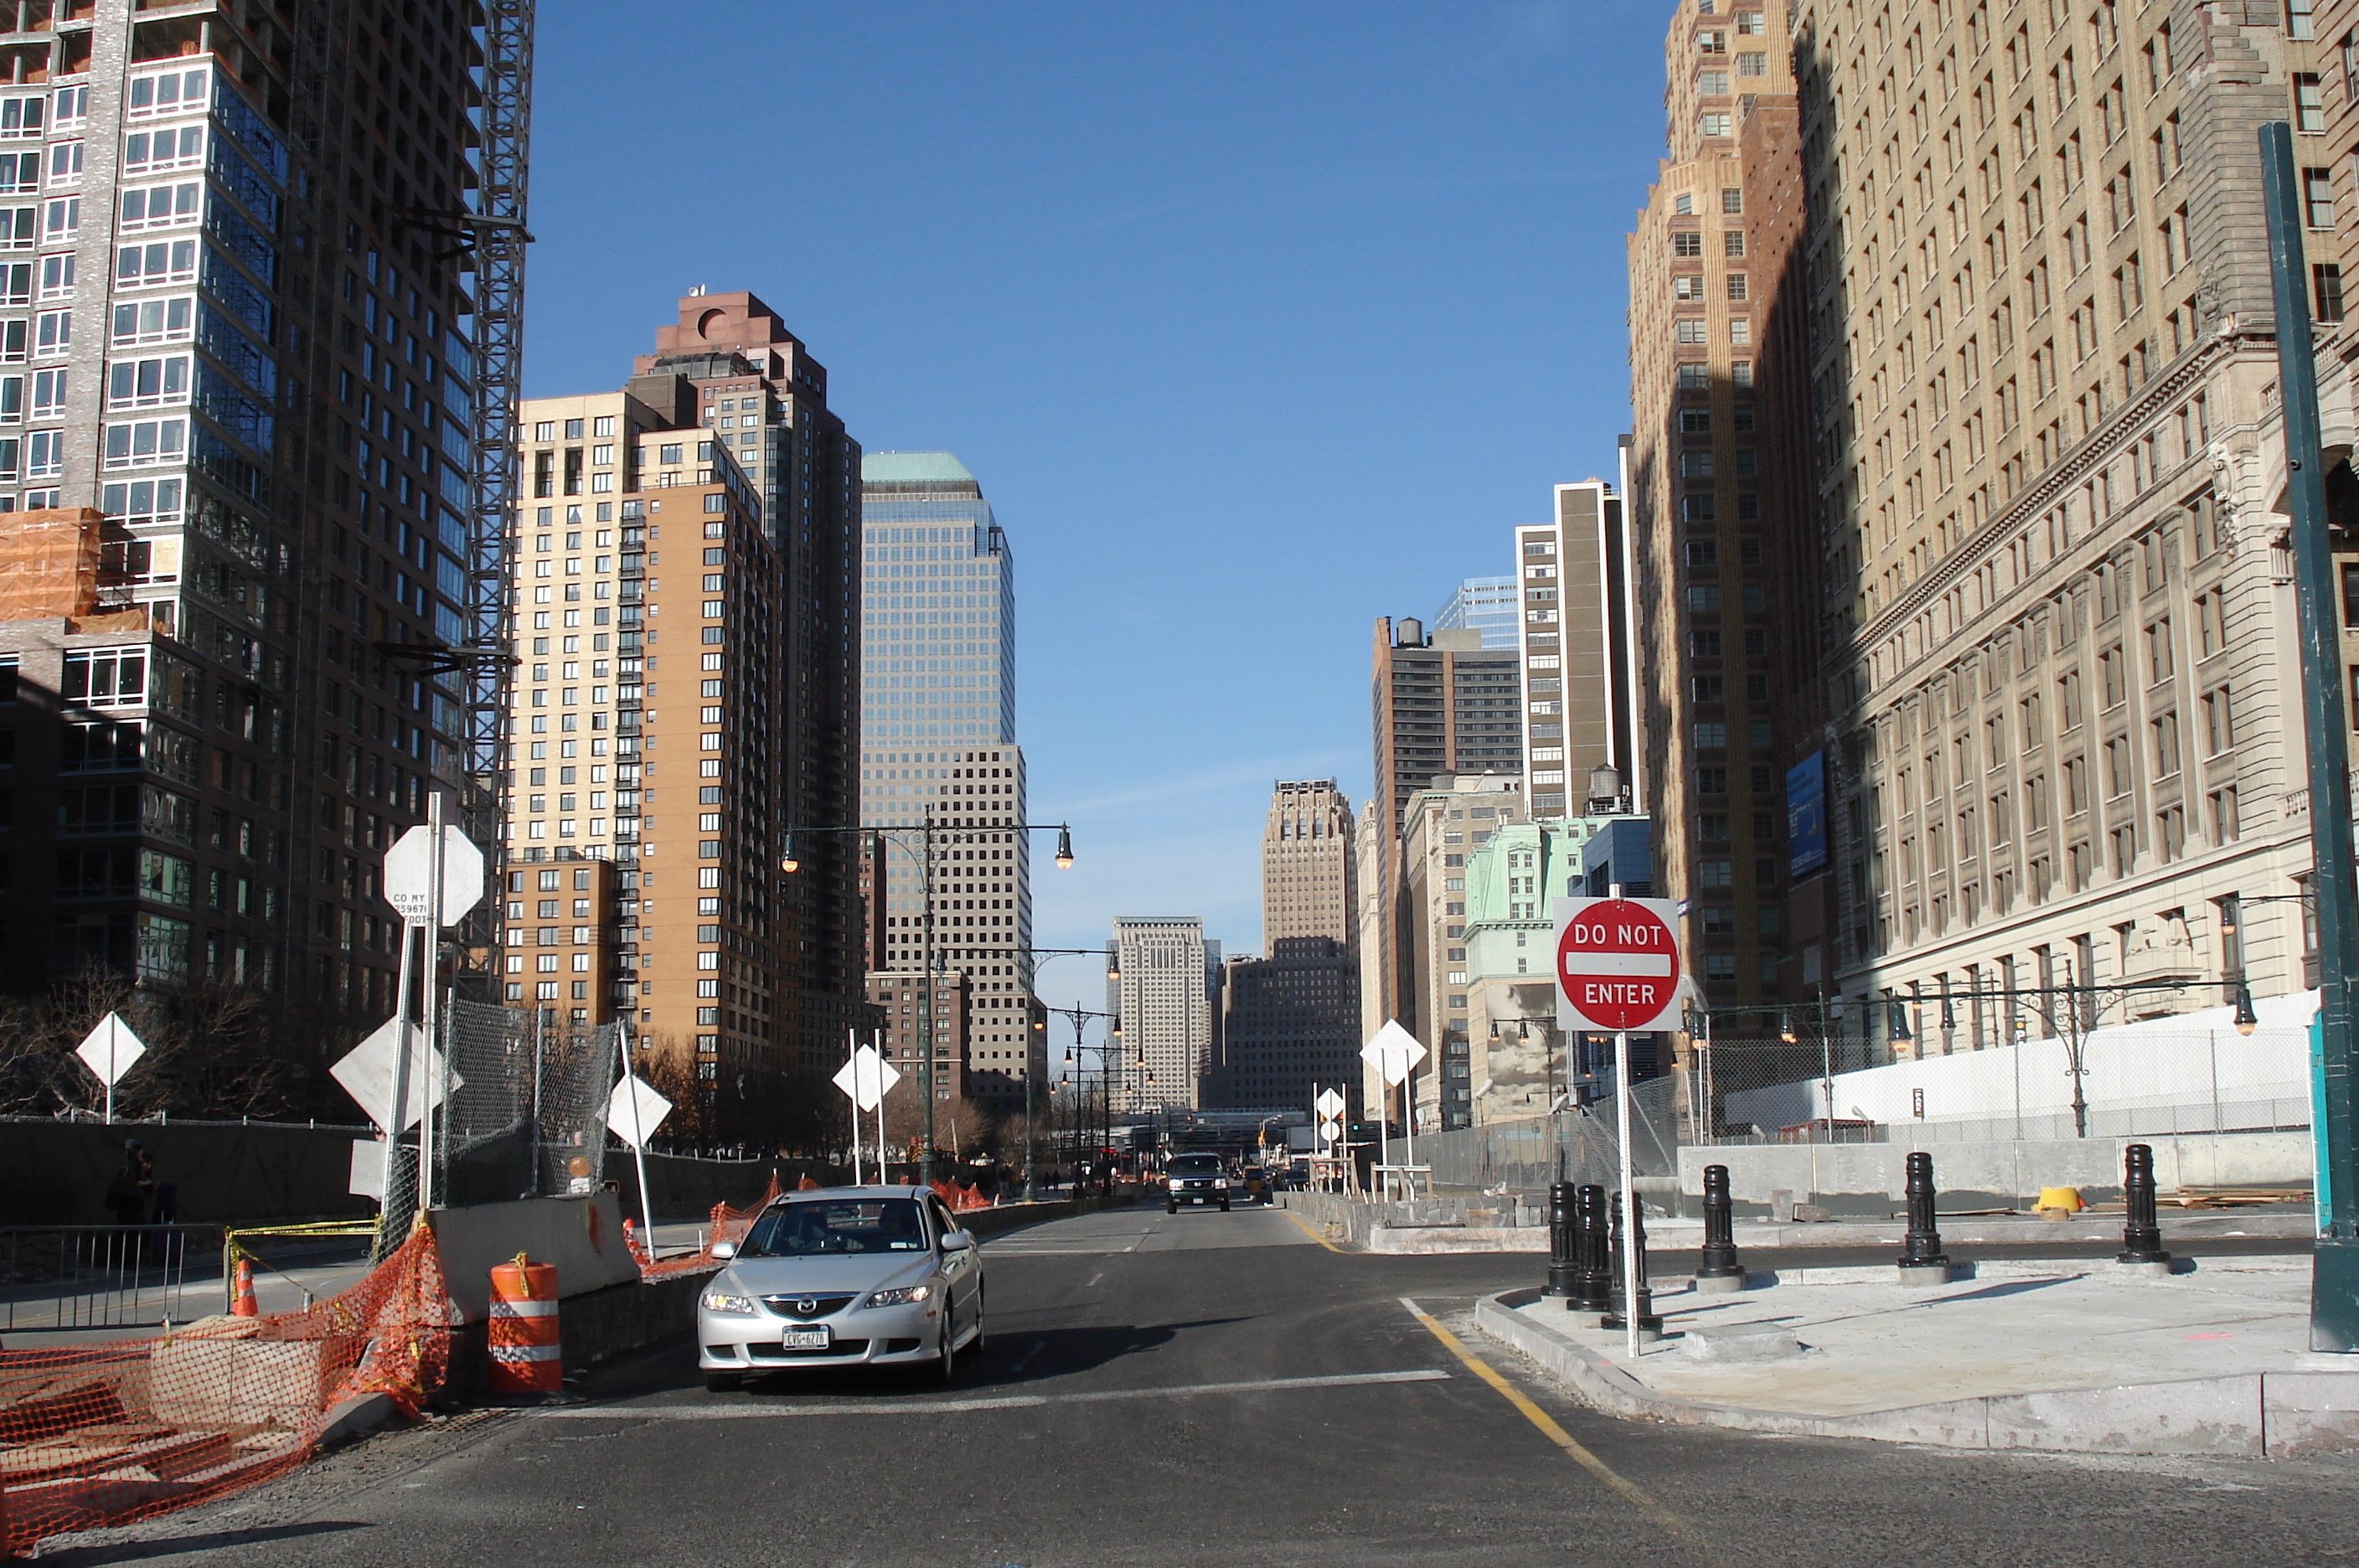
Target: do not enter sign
column 1617, row 963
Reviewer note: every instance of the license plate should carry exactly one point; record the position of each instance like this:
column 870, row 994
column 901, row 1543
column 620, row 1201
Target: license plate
column 804, row 1339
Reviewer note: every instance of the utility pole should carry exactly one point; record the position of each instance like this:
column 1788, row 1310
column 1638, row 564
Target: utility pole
column 2334, row 1278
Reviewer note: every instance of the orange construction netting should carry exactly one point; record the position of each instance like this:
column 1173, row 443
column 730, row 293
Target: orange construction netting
column 727, row 1224
column 102, row 1435
column 958, row 1197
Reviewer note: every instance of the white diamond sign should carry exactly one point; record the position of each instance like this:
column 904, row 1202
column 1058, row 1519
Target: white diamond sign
column 1329, row 1103
column 367, row 1073
column 635, row 1110
column 1394, row 1053
column 111, row 1049
column 866, row 1077
column 409, row 875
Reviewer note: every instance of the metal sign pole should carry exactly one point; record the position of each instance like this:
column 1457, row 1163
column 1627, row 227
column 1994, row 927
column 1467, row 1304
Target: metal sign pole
column 399, row 1112
column 113, row 1070
column 852, row 1055
column 638, row 1143
column 1629, row 1196
column 434, row 1121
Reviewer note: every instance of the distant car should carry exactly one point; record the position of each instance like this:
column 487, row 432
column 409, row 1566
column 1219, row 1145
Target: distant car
column 1196, row 1180
column 843, row 1277
column 1257, row 1184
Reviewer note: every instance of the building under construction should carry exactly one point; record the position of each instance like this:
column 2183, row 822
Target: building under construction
column 252, row 615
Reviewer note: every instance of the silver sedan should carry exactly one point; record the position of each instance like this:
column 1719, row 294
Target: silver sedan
column 843, row 1277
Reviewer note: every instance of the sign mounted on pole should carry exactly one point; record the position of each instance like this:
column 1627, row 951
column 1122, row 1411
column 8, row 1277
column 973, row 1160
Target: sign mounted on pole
column 109, row 1052
column 1617, row 965
column 866, row 1077
column 1329, row 1104
column 1394, row 1053
column 409, row 875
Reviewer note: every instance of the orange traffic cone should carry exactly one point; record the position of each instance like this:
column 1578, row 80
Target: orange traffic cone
column 244, row 1305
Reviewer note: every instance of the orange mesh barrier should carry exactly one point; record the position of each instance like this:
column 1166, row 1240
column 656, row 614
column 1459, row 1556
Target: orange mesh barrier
column 102, row 1435
column 727, row 1224
column 959, row 1197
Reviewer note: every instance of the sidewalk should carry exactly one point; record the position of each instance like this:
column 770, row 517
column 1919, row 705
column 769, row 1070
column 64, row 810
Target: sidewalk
column 2073, row 1356
column 2290, row 1224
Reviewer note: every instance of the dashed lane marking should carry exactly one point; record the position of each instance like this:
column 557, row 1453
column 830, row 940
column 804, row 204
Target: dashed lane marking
column 1628, row 1491
column 929, row 1407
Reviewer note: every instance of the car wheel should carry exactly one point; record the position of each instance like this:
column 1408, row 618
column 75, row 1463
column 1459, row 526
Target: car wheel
column 722, row 1382
column 1225, row 1205
column 945, row 1357
column 982, row 1340
column 1171, row 1208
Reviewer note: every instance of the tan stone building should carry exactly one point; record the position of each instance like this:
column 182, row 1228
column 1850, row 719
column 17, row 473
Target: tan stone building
column 1444, row 825
column 1310, row 879
column 644, row 805
column 1578, row 654
column 2064, row 742
column 1709, row 259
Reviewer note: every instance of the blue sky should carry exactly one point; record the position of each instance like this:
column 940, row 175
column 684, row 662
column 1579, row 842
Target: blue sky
column 1254, row 321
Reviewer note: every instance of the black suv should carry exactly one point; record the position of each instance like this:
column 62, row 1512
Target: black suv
column 1195, row 1179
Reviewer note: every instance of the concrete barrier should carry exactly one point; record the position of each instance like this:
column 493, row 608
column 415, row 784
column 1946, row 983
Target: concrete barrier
column 1864, row 1179
column 582, row 1236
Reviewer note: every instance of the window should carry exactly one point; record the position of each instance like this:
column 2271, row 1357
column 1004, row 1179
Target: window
column 22, row 117
column 52, row 333
column 49, row 394
column 1712, row 84
column 1713, row 124
column 174, row 93
column 57, row 276
column 107, row 677
column 65, row 164
column 2318, row 198
column 1689, row 244
column 1689, row 332
column 2309, row 105
column 147, row 383
column 148, row 152
column 159, row 206
column 2326, row 284
column 154, row 322
column 1732, row 242
column 145, row 441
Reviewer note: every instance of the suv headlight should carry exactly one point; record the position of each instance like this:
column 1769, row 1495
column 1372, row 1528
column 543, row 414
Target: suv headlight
column 1220, row 1184
column 900, row 1296
column 723, row 1301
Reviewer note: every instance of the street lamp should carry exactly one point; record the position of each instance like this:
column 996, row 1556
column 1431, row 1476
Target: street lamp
column 2247, row 1020
column 925, row 832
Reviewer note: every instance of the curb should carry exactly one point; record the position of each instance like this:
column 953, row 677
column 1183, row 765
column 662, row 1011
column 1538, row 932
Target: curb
column 2275, row 1415
column 1673, row 1235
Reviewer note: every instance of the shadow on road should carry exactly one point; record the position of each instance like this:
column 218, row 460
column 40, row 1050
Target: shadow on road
column 171, row 1546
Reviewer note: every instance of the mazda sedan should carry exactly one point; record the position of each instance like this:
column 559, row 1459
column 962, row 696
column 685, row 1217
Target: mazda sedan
column 843, row 1277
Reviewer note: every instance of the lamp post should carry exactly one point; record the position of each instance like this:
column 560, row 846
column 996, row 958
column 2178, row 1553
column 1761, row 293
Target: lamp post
column 1080, row 1017
column 926, row 830
column 2070, row 1012
column 1031, row 1189
column 1830, row 1016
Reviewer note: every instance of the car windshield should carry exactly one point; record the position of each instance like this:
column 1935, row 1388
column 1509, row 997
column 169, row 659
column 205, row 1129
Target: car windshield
column 1196, row 1165
column 862, row 1225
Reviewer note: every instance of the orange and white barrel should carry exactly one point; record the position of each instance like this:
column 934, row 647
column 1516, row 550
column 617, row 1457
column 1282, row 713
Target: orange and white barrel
column 522, row 1331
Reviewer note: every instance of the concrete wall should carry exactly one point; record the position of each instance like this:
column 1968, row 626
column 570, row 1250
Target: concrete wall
column 1871, row 1178
column 582, row 1236
column 56, row 1172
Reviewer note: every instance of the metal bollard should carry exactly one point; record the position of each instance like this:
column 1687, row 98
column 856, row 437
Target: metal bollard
column 2141, row 1231
column 1720, row 1271
column 1592, row 1282
column 1560, row 1240
column 1923, row 1262
column 1632, row 1235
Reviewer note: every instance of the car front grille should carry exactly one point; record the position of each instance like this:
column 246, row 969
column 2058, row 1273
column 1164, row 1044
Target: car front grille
column 807, row 1308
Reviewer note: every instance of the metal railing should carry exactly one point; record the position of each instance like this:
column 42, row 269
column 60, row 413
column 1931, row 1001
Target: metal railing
column 58, row 1277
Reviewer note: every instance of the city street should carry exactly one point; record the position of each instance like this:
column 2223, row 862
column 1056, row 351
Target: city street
column 1208, row 1387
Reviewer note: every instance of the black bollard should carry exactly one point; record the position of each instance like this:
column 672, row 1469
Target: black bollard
column 1923, row 1254
column 1560, row 1240
column 1720, row 1261
column 1593, row 1282
column 1633, row 1235
column 2141, row 1231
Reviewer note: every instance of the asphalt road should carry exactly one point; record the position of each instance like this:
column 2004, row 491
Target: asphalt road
column 1210, row 1388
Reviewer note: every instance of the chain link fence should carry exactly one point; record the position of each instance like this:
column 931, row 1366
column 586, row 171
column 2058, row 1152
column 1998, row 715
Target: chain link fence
column 1524, row 1154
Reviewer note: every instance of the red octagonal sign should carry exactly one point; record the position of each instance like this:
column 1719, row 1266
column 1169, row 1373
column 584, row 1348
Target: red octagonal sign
column 1618, row 961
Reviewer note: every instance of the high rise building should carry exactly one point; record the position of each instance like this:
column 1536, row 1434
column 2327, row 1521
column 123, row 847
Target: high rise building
column 1576, row 636
column 2063, row 736
column 1444, row 705
column 643, row 822
column 938, row 732
column 1290, row 1025
column 757, row 391
column 1714, row 503
column 1487, row 604
column 1444, row 824
column 1310, row 879
column 1162, row 989
column 248, row 475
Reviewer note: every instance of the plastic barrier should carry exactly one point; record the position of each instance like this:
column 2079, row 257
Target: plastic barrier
column 102, row 1435
column 523, row 1329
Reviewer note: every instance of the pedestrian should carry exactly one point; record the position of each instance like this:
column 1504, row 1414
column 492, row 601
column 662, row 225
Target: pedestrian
column 127, row 1195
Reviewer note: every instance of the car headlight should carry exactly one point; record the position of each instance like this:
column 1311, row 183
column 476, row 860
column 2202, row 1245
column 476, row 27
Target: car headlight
column 723, row 1301
column 901, row 1296
column 1221, row 1185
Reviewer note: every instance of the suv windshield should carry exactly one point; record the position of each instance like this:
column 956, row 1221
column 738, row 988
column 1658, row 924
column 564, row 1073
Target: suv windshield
column 864, row 1225
column 1195, row 1165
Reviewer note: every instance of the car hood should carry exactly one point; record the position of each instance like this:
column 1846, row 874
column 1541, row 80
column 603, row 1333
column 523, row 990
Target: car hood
column 841, row 1272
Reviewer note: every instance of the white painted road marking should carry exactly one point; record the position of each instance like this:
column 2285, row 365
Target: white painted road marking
column 924, row 1407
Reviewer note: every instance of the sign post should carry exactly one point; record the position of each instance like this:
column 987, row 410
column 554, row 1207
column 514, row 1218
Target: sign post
column 110, row 1051
column 433, row 875
column 864, row 1079
column 1617, row 969
column 1394, row 1053
column 637, row 1104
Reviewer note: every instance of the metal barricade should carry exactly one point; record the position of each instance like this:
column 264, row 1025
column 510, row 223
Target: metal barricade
column 64, row 1277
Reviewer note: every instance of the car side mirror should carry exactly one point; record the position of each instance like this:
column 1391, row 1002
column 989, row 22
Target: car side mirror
column 724, row 1250
column 957, row 1241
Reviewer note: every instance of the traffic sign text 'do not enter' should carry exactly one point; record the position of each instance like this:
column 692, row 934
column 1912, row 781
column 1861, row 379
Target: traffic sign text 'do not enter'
column 1618, row 963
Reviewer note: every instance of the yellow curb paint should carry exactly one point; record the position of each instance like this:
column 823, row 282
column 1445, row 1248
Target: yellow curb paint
column 1313, row 1234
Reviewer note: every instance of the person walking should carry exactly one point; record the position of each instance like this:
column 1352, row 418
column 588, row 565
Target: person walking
column 128, row 1196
